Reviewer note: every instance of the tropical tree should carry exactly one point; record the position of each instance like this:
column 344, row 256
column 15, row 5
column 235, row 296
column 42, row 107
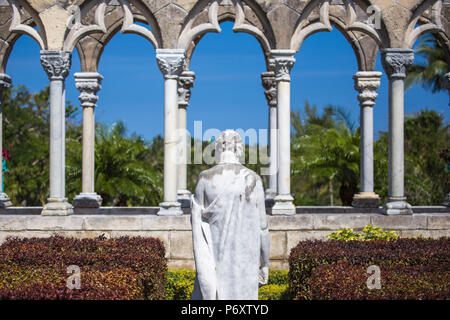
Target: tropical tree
column 427, row 174
column 26, row 139
column 430, row 67
column 125, row 171
column 325, row 152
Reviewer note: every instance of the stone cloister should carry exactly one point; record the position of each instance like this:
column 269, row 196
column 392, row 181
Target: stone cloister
column 174, row 28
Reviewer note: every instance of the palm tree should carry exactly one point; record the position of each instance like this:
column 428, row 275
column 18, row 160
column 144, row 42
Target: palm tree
column 326, row 153
column 125, row 174
column 428, row 73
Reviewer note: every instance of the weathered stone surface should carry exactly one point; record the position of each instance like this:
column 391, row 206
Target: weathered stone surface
column 53, row 223
column 334, row 222
column 296, row 222
column 438, row 221
column 278, row 265
column 181, row 264
column 103, row 222
column 13, row 223
column 278, row 245
column 181, row 245
column 166, row 222
column 400, row 222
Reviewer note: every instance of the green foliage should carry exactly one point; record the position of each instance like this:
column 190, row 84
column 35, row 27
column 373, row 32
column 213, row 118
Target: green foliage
column 121, row 268
column 430, row 67
column 129, row 170
column 180, row 285
column 125, row 174
column 345, row 234
column 274, row 292
column 369, row 233
column 325, row 156
column 26, row 136
column 427, row 145
column 410, row 268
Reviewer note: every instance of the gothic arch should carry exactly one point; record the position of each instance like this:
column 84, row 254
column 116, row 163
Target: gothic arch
column 318, row 15
column 120, row 18
column 207, row 15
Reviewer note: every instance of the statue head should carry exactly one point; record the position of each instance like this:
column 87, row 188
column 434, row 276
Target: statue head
column 229, row 147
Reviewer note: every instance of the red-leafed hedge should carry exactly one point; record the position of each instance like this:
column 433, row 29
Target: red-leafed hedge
column 410, row 269
column 121, row 268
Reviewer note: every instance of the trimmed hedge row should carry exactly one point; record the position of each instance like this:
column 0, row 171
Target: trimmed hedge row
column 120, row 268
column 410, row 269
column 180, row 284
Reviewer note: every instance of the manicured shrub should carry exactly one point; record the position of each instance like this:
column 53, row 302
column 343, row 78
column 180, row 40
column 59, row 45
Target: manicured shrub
column 344, row 281
column 369, row 233
column 273, row 292
column 337, row 269
column 180, row 284
column 279, row 277
column 120, row 268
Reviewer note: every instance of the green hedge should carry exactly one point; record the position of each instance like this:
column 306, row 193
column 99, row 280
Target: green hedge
column 120, row 268
column 410, row 269
column 180, row 284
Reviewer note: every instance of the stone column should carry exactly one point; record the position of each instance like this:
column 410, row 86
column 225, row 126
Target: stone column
column 88, row 83
column 447, row 85
column 395, row 61
column 5, row 82
column 366, row 83
column 283, row 61
column 185, row 83
column 171, row 62
column 57, row 65
column 269, row 83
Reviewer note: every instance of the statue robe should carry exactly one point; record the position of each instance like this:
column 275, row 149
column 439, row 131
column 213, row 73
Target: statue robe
column 229, row 228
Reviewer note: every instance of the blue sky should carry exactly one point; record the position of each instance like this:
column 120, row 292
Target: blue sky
column 228, row 91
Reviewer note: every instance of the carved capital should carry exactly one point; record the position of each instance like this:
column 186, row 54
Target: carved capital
column 367, row 83
column 171, row 62
column 282, row 62
column 56, row 64
column 395, row 61
column 88, row 83
column 269, row 83
column 5, row 81
column 185, row 83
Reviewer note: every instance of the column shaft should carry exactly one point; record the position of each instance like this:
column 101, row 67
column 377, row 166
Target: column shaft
column 395, row 62
column 56, row 140
column 57, row 65
column 171, row 62
column 284, row 137
column 366, row 83
column 185, row 83
column 273, row 149
column 88, row 83
column 269, row 83
column 283, row 61
column 182, row 168
column 88, row 150
column 396, row 138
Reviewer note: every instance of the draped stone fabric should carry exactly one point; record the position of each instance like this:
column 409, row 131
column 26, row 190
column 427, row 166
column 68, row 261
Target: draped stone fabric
column 230, row 234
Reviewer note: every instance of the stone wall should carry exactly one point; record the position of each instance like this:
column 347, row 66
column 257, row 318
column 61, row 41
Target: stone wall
column 175, row 231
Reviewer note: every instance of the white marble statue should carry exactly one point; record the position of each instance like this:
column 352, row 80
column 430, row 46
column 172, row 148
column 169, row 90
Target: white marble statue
column 229, row 227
